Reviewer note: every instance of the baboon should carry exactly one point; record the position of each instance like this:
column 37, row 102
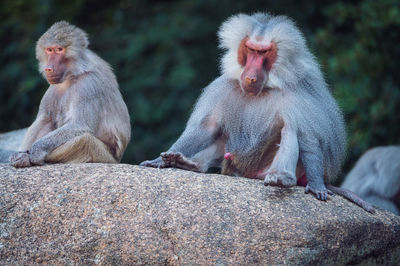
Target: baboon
column 82, row 116
column 376, row 178
column 270, row 113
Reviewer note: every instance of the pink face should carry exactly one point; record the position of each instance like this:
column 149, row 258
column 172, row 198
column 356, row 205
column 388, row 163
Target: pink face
column 257, row 60
column 56, row 64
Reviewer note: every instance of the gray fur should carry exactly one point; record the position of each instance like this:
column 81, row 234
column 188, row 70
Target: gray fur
column 87, row 101
column 376, row 177
column 297, row 94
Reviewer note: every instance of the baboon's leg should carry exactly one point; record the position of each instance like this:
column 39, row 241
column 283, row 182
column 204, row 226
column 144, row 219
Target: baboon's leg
column 82, row 149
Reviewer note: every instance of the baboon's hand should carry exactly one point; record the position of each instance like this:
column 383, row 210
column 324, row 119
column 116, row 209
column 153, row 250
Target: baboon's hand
column 156, row 163
column 178, row 160
column 280, row 179
column 20, row 159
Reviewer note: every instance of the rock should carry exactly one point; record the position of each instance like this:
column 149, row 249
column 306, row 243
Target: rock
column 123, row 214
column 11, row 140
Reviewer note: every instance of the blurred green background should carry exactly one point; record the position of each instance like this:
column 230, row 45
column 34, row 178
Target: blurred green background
column 164, row 52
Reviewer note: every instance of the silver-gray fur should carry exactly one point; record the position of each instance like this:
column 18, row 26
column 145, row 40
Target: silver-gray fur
column 86, row 101
column 313, row 132
column 376, row 178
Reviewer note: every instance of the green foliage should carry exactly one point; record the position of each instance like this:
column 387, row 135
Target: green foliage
column 359, row 49
column 165, row 52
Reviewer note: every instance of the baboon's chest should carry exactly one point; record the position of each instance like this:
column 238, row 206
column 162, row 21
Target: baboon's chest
column 59, row 110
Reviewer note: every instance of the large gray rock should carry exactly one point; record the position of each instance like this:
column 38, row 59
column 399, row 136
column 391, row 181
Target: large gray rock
column 11, row 140
column 124, row 214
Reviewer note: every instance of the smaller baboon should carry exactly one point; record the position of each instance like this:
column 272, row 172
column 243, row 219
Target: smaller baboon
column 376, row 178
column 82, row 116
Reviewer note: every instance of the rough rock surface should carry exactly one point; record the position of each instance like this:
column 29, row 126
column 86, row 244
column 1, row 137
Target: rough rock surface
column 124, row 214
